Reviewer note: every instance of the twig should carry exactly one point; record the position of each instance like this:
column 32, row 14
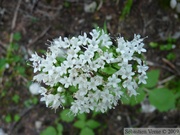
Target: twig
column 35, row 3
column 24, row 112
column 168, row 63
column 49, row 7
column 171, row 65
column 150, row 63
column 14, row 20
column 2, row 44
column 166, row 80
column 40, row 36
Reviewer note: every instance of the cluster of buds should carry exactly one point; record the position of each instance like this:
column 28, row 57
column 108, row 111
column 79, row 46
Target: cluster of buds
column 89, row 71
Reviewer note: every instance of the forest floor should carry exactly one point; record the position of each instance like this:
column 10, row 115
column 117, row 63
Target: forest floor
column 38, row 21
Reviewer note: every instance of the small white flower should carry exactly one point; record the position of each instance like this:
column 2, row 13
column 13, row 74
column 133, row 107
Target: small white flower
column 142, row 79
column 95, row 34
column 57, row 101
column 142, row 69
column 108, row 57
column 126, row 72
column 113, row 81
column 173, row 3
column 60, row 89
column 7, row 65
column 82, row 39
column 34, row 88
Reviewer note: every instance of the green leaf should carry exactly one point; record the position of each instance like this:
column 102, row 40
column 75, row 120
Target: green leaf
column 127, row 8
column 60, row 59
column 80, row 124
column 16, row 98
column 72, row 88
column 95, row 114
column 153, row 44
column 139, row 98
column 108, row 70
column 65, row 116
column 133, row 100
column 8, row 118
column 92, row 124
column 14, row 46
column 177, row 94
column 87, row 131
column 2, row 63
column 3, row 93
column 125, row 100
column 17, row 36
column 16, row 117
column 35, row 100
column 152, row 80
column 162, row 98
column 59, row 129
column 16, row 58
column 20, row 70
column 171, row 56
column 82, row 116
column 166, row 47
column 105, row 27
column 49, row 131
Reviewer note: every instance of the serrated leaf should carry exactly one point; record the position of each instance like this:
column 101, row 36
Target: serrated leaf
column 65, row 116
column 80, row 124
column 92, row 124
column 87, row 131
column 162, row 98
column 49, row 131
column 59, row 129
column 152, row 80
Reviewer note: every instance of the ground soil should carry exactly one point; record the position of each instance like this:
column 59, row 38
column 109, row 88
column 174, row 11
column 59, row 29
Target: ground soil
column 42, row 20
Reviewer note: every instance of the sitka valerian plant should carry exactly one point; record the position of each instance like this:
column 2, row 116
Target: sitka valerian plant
column 90, row 70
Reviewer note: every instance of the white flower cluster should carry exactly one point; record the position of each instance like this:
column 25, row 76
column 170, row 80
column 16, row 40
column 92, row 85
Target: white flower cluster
column 98, row 71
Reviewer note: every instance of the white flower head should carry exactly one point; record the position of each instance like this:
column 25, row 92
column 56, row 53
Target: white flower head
column 90, row 69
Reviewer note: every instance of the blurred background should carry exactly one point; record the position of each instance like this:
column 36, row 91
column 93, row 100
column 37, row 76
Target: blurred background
column 27, row 26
